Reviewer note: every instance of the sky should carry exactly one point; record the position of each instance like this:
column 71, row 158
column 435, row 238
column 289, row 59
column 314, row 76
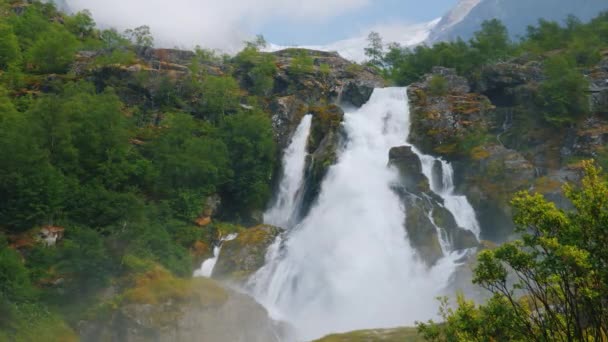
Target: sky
column 224, row 24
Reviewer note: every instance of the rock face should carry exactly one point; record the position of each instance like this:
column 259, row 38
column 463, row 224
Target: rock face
column 243, row 256
column 341, row 83
column 199, row 310
column 425, row 215
column 489, row 127
column 441, row 121
column 598, row 78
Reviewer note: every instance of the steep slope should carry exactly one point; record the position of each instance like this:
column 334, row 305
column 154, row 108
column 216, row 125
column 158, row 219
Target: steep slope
column 453, row 17
column 515, row 14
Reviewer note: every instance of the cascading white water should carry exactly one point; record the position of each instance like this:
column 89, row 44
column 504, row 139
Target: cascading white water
column 348, row 264
column 458, row 205
column 281, row 214
column 207, row 266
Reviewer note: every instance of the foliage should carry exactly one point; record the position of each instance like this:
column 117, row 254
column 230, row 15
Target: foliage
column 81, row 24
column 221, row 96
column 259, row 68
column 301, row 63
column 189, row 156
column 375, row 49
column 76, row 155
column 140, row 36
column 560, row 271
column 10, row 51
column 249, row 138
column 564, row 92
column 53, row 52
column 438, row 85
column 577, row 41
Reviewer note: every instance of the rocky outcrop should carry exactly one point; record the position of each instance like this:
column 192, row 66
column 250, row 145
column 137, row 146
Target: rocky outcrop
column 243, row 256
column 442, row 121
column 490, row 128
column 162, row 308
column 332, row 80
column 598, row 78
column 426, row 216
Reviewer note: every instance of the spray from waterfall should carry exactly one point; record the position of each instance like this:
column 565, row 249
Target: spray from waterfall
column 348, row 265
column 284, row 210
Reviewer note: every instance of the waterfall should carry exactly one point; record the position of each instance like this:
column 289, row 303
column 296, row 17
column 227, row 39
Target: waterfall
column 207, row 266
column 348, row 265
column 284, row 211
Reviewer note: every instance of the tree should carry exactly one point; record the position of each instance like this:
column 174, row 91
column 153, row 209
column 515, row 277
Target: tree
column 10, row 51
column 258, row 43
column 80, row 24
column 221, row 96
column 262, row 75
column 189, row 157
column 492, row 41
column 53, row 52
column 560, row 266
column 563, row 95
column 140, row 36
column 251, row 147
column 112, row 39
column 375, row 49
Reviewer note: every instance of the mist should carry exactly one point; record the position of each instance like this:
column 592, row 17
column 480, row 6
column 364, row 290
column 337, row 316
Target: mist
column 210, row 23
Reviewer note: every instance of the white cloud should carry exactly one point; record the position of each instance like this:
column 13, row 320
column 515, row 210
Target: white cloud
column 211, row 23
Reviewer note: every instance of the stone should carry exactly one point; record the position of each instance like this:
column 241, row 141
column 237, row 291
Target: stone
column 410, row 169
column 197, row 310
column 243, row 256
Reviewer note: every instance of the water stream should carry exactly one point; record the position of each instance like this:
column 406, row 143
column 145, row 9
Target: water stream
column 348, row 265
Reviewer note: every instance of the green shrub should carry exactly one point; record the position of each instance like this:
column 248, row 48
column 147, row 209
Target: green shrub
column 438, row 85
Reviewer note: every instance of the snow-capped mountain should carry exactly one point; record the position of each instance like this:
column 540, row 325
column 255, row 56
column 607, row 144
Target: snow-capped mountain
column 353, row 48
column 468, row 15
column 452, row 18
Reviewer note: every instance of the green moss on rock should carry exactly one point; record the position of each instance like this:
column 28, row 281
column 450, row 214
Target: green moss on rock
column 246, row 254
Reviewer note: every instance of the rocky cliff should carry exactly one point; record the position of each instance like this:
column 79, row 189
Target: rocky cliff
column 490, row 129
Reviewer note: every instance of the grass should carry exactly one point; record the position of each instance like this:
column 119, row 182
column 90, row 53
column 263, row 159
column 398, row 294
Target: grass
column 380, row 335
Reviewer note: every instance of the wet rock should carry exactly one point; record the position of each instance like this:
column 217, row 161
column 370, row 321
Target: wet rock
column 410, row 169
column 243, row 256
column 425, row 216
column 323, row 144
column 357, row 93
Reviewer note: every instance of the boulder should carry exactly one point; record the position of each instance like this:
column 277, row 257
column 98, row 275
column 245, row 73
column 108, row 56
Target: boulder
column 163, row 308
column 243, row 256
column 356, row 93
column 410, row 169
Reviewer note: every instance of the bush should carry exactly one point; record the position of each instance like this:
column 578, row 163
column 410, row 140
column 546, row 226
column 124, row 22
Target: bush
column 301, row 64
column 438, row 85
column 559, row 267
column 563, row 95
